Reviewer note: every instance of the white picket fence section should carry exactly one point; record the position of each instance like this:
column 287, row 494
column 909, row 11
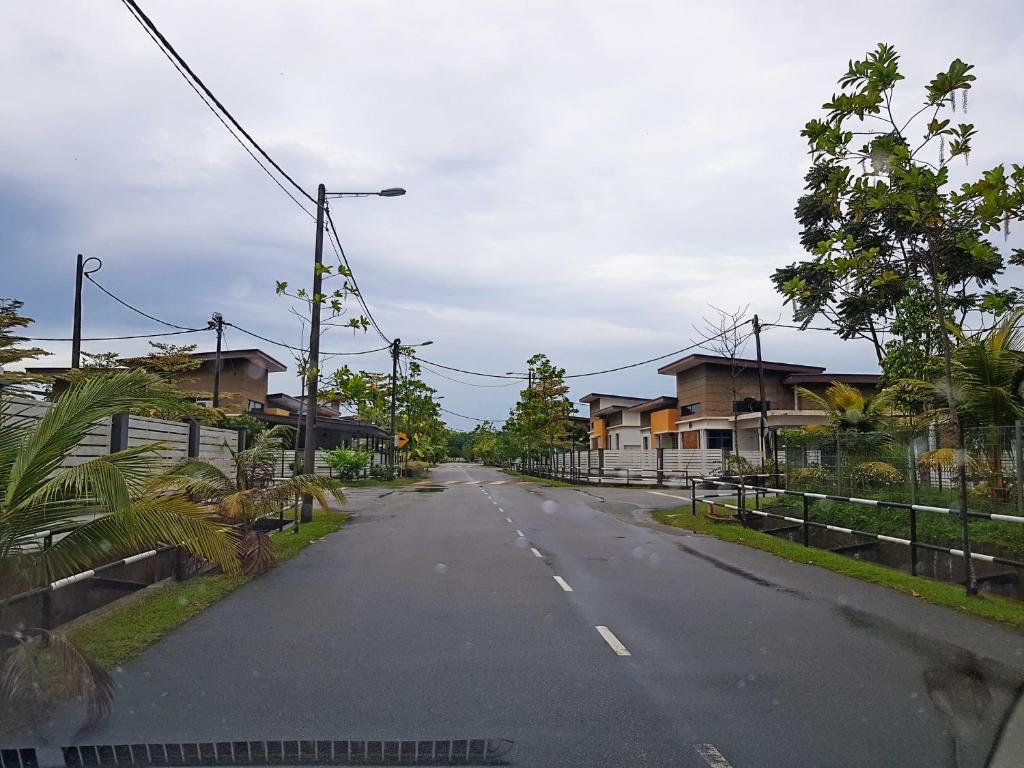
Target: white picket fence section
column 692, row 462
column 173, row 435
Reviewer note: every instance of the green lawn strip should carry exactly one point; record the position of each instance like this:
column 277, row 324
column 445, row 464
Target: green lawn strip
column 991, row 537
column 534, row 478
column 123, row 631
column 993, row 607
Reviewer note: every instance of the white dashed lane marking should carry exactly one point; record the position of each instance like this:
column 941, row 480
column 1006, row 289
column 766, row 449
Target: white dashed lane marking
column 613, row 641
column 507, row 519
column 536, row 553
column 562, row 583
column 712, row 756
column 519, row 533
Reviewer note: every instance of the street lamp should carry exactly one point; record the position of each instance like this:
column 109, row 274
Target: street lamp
column 313, row 364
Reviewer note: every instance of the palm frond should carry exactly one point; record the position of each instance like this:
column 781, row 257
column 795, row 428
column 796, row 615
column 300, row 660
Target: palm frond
column 60, row 429
column 83, row 677
column 319, row 487
column 21, row 682
column 256, row 553
column 149, row 523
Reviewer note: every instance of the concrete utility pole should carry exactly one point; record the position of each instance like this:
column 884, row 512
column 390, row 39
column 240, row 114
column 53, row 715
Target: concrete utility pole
column 396, row 348
column 760, row 387
column 218, row 324
column 76, row 328
column 313, row 364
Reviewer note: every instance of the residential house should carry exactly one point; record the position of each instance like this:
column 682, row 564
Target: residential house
column 613, row 424
column 243, row 378
column 333, row 428
column 716, row 394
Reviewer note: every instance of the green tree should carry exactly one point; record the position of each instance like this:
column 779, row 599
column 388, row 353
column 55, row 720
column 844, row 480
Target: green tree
column 884, row 226
column 11, row 350
column 539, row 422
column 119, row 514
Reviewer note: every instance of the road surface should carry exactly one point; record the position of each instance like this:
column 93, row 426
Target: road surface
column 479, row 606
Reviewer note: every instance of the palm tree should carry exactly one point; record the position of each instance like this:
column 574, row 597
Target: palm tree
column 250, row 494
column 988, row 369
column 118, row 514
column 847, row 408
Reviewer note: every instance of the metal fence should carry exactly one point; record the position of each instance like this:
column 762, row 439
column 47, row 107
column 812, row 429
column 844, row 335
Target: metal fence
column 914, row 468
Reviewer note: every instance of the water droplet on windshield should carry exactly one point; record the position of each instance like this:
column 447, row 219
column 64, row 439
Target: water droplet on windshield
column 441, row 568
column 655, row 559
column 638, row 552
column 550, row 507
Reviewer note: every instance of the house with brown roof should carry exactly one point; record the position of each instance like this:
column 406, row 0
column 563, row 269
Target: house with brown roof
column 613, row 424
column 716, row 396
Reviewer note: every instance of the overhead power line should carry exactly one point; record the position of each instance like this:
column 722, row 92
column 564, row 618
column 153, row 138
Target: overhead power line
column 340, row 252
column 181, row 64
column 435, row 372
column 138, row 311
column 695, row 345
column 471, row 418
column 301, row 349
column 117, row 338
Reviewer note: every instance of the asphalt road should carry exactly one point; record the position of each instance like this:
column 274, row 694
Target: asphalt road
column 494, row 608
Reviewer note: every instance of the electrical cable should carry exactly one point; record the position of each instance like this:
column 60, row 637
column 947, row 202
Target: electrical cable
column 460, row 381
column 471, row 418
column 799, row 327
column 180, row 63
column 138, row 311
column 301, row 349
column 116, row 338
column 593, row 373
column 340, row 251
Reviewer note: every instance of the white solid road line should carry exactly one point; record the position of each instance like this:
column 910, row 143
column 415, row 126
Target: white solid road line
column 535, row 552
column 671, row 495
column 519, row 533
column 613, row 641
column 712, row 756
column 562, row 583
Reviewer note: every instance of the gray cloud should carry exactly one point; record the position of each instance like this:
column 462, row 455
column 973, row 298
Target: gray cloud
column 583, row 177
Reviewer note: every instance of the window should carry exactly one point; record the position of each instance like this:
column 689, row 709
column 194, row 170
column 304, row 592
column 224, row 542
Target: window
column 720, row 438
column 689, row 410
column 255, row 406
column 647, row 442
column 616, row 442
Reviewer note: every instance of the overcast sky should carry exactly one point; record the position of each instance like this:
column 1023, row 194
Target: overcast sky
column 583, row 177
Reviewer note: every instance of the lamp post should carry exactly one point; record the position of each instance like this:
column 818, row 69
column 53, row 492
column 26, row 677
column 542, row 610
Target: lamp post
column 313, row 365
column 396, row 350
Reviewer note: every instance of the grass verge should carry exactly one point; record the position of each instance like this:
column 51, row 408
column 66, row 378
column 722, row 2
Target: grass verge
column 123, row 631
column 992, row 607
column 534, row 478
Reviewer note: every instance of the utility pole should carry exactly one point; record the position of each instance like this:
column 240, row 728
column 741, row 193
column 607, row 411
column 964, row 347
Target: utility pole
column 76, row 328
column 218, row 324
column 396, row 348
column 313, row 365
column 760, row 388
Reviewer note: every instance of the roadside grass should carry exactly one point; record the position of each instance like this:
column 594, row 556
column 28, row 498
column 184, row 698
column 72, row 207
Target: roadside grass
column 122, row 632
column 534, row 478
column 988, row 606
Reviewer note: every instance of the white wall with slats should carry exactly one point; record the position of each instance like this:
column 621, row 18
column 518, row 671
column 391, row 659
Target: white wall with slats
column 173, row 437
column 142, row 430
column 22, row 411
column 215, row 446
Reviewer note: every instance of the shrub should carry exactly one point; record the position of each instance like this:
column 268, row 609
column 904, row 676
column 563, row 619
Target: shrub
column 736, row 464
column 381, row 472
column 872, row 474
column 416, row 469
column 812, row 476
column 347, row 462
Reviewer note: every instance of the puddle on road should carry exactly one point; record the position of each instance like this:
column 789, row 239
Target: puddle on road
column 429, row 489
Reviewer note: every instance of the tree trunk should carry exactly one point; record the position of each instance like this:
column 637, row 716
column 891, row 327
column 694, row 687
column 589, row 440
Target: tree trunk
column 954, row 420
